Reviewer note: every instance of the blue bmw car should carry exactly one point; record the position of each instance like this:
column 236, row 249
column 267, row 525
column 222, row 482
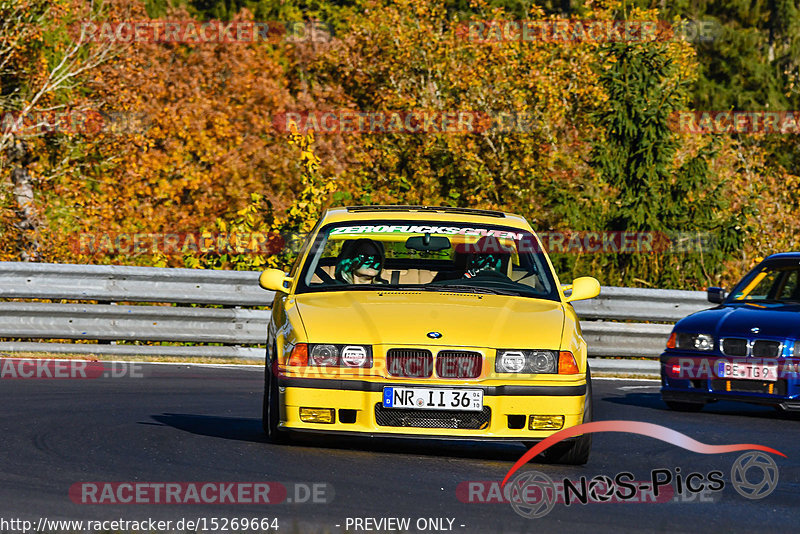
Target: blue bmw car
column 747, row 348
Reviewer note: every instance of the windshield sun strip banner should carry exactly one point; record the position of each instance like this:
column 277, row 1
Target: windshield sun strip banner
column 423, row 229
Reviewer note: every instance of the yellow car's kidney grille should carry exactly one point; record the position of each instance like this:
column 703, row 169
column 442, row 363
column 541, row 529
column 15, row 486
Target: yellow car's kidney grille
column 409, row 363
column 458, row 364
column 398, row 417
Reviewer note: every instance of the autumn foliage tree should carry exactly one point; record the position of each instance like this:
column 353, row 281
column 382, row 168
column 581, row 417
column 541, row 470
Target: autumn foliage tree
column 408, row 56
column 43, row 66
column 270, row 239
column 190, row 141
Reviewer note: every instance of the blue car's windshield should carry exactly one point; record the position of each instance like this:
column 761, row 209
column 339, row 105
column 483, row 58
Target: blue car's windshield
column 773, row 281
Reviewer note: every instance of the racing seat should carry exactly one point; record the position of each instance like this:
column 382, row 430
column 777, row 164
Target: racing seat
column 460, row 267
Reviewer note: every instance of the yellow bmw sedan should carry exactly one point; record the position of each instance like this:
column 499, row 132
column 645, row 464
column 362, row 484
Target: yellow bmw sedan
column 437, row 322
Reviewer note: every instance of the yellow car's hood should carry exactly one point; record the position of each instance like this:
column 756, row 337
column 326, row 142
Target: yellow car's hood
column 406, row 317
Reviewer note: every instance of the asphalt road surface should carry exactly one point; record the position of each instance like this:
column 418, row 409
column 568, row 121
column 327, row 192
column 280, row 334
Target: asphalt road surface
column 180, row 423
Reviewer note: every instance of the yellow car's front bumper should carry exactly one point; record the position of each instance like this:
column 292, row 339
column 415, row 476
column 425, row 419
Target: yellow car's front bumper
column 357, row 408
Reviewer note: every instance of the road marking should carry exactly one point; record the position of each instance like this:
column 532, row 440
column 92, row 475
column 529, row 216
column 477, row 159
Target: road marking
column 638, row 387
column 212, row 365
column 626, row 379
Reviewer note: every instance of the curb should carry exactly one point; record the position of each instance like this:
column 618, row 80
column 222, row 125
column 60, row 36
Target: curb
column 605, row 366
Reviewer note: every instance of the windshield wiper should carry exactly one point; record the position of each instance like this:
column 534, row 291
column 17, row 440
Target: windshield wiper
column 438, row 287
column 349, row 287
column 473, row 289
column 451, row 288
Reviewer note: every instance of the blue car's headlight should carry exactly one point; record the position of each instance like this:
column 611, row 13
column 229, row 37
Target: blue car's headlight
column 702, row 342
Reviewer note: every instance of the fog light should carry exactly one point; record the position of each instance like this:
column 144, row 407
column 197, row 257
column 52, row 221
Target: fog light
column 546, row 422
column 316, row 415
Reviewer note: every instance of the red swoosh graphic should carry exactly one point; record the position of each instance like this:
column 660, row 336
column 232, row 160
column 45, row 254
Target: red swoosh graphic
column 635, row 427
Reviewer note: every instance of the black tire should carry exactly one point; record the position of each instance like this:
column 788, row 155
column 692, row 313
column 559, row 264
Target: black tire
column 574, row 452
column 684, row 406
column 270, row 414
column 789, row 414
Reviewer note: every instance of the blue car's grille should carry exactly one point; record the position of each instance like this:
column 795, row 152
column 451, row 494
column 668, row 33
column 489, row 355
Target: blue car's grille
column 763, row 348
column 759, row 348
column 733, row 346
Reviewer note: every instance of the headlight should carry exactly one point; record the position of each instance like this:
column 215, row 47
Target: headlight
column 355, row 356
column 542, row 362
column 510, row 362
column 526, row 361
column 327, row 355
column 695, row 341
column 324, row 355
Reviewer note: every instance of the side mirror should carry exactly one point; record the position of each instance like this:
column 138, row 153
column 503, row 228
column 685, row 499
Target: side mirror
column 584, row 288
column 275, row 280
column 716, row 295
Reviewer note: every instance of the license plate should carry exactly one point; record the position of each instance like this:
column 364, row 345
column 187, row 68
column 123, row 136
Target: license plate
column 748, row 371
column 464, row 400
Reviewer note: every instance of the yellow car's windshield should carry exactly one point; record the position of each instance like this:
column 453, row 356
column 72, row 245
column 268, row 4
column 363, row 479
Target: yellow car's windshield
column 432, row 256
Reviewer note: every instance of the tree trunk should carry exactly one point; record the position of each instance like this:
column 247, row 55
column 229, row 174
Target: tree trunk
column 28, row 222
column 773, row 23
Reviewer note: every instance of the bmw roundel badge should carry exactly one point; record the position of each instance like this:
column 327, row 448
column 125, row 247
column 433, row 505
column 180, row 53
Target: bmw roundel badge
column 434, row 335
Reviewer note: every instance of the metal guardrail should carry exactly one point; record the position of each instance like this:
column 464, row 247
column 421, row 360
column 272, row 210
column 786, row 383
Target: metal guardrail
column 230, row 328
column 625, row 339
column 634, row 339
column 634, row 368
column 132, row 323
column 636, row 304
column 115, row 283
column 233, row 329
column 197, row 351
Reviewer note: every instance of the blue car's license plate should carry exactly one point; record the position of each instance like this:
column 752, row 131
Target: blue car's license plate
column 747, row 371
